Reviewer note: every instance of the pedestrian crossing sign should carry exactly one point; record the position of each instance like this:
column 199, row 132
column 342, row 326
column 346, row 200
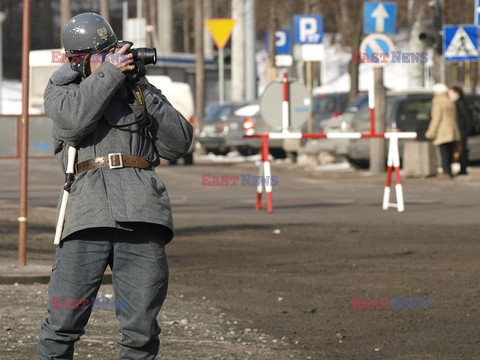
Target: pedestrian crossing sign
column 460, row 43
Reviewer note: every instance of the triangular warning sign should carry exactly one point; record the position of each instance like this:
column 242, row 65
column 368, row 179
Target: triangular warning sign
column 220, row 29
column 461, row 45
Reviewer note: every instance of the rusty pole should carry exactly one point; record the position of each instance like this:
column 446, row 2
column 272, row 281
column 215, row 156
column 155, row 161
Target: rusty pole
column 22, row 219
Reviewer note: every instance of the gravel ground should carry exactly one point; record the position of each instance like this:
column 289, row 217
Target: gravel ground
column 192, row 329
column 249, row 285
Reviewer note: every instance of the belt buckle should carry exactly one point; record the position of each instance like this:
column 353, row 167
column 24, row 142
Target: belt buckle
column 115, row 161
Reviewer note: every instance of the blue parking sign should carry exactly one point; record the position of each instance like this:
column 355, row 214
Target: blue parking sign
column 283, row 42
column 308, row 29
column 379, row 17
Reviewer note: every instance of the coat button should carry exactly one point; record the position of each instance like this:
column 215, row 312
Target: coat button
column 155, row 100
column 101, row 74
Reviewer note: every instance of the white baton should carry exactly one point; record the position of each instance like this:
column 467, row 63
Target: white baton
column 72, row 153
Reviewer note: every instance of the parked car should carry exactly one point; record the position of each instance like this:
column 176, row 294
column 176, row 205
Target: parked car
column 338, row 123
column 406, row 111
column 326, row 106
column 247, row 120
column 215, row 128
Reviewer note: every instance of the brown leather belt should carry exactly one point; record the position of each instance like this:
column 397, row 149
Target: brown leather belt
column 113, row 161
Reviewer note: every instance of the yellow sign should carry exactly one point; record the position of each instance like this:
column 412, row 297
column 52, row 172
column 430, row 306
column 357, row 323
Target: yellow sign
column 220, row 29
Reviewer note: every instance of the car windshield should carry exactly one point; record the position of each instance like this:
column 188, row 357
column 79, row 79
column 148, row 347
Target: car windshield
column 215, row 112
column 360, row 116
column 354, row 106
column 324, row 104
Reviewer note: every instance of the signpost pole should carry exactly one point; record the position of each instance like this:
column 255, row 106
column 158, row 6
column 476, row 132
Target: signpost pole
column 377, row 146
column 220, row 29
column 2, row 18
column 221, row 76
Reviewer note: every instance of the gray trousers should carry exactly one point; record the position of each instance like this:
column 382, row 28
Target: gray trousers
column 140, row 281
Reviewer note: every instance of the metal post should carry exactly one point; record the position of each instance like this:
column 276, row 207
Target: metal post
column 250, row 68
column 377, row 146
column 207, row 38
column 164, row 25
column 65, row 15
column 2, row 18
column 124, row 18
column 237, row 65
column 221, row 75
column 22, row 219
column 139, row 16
column 199, row 66
column 104, row 9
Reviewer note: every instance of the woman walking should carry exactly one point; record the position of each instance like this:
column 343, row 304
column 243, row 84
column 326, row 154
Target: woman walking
column 443, row 128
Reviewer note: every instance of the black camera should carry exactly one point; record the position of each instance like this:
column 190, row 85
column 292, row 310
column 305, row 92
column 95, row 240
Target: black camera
column 141, row 57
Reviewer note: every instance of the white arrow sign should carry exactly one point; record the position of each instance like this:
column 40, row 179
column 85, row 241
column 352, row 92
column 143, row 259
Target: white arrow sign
column 380, row 14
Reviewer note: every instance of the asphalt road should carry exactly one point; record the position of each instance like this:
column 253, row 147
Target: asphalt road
column 293, row 276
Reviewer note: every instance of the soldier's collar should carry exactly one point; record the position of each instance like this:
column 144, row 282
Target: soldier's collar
column 64, row 75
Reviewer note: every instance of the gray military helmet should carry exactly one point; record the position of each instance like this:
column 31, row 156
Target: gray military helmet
column 87, row 33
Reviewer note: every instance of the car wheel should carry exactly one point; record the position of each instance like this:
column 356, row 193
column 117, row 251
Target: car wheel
column 278, row 153
column 360, row 164
column 247, row 151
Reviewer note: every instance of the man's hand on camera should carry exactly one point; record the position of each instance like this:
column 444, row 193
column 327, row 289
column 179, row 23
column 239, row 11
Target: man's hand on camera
column 121, row 59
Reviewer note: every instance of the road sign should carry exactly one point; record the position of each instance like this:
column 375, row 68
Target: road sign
column 477, row 13
column 271, row 105
column 308, row 29
column 283, row 42
column 379, row 17
column 283, row 47
column 379, row 49
column 460, row 43
column 220, row 29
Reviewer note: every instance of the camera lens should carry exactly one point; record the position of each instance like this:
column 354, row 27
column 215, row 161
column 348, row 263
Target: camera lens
column 145, row 55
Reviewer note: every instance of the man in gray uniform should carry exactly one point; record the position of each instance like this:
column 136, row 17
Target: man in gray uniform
column 118, row 212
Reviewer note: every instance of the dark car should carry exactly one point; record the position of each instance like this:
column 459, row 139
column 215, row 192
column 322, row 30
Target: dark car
column 247, row 120
column 406, row 111
column 215, row 128
column 326, row 106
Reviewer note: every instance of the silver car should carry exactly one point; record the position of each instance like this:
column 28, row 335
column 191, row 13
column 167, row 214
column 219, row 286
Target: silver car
column 406, row 111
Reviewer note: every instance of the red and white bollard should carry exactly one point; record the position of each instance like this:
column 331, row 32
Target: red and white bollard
column 393, row 164
column 285, row 103
column 371, row 103
column 265, row 179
